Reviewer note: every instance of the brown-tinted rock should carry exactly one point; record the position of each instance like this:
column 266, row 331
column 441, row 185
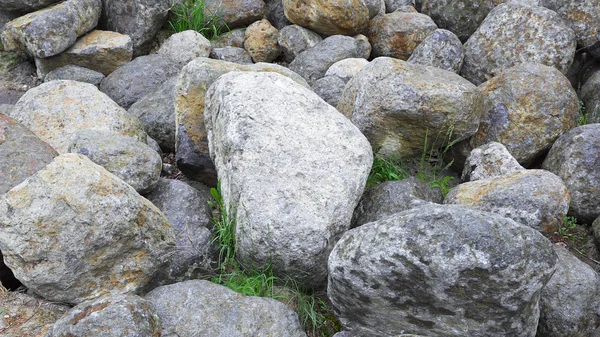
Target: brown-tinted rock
column 261, row 41
column 236, row 13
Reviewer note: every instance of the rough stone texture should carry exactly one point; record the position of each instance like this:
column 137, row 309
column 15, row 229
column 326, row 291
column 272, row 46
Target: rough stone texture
column 295, row 39
column 111, row 316
column 392, row 197
column 440, row 49
column 330, row 89
column 234, row 38
column 75, row 73
column 440, row 271
column 17, row 75
column 25, row 5
column 129, row 159
column 49, row 31
column 236, row 13
column 397, row 34
column 204, row 309
column 313, row 63
column 138, row 78
column 574, row 158
column 22, row 154
column 569, row 303
column 526, row 108
column 535, row 198
column 261, row 41
column 231, row 54
column 83, row 245
column 488, row 161
column 276, row 14
column 55, row 110
column 516, row 33
column 193, row 158
column 590, row 95
column 343, row 17
column 187, row 210
column 183, row 47
column 157, row 112
column 279, row 210
column 140, row 19
column 99, row 50
column 393, row 5
column 397, row 105
column 346, row 68
column 27, row 316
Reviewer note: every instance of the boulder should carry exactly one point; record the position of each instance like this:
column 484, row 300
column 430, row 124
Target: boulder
column 535, row 198
column 183, row 47
column 516, row 33
column 57, row 109
column 204, row 309
column 590, row 95
column 440, row 49
column 346, row 68
column 234, row 38
column 66, row 240
column 392, row 5
column 488, row 161
column 231, row 54
column 276, row 14
column 402, row 107
column 261, row 41
column 295, row 39
column 574, row 158
column 49, row 31
column 75, row 73
column 282, row 221
column 440, row 270
column 236, row 13
column 22, row 154
column 25, row 5
column 99, row 50
column 330, row 89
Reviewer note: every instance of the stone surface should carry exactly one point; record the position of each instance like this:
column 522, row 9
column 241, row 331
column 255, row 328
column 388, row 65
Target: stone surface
column 49, row 31
column 397, row 105
column 515, row 33
column 75, row 73
column 253, row 118
column 393, row 5
column 55, row 110
column 27, row 316
column 330, row 89
column 22, row 154
column 138, row 78
column 346, row 68
column 295, row 39
column 397, row 34
column 234, row 38
column 236, row 13
column 261, row 41
column 392, row 197
column 183, row 47
column 590, row 95
column 488, row 161
column 535, row 198
column 231, row 54
column 440, row 49
column 99, row 50
column 204, row 309
column 193, row 158
column 134, row 162
column 276, row 14
column 25, row 5
column 526, row 108
column 440, row 270
column 574, row 158
column 111, row 316
column 83, row 245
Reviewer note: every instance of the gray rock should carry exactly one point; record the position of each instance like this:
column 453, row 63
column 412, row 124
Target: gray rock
column 276, row 15
column 295, row 39
column 129, row 159
column 84, row 244
column 400, row 106
column 261, row 41
column 236, row 13
column 138, row 78
column 231, row 54
column 75, row 73
column 488, row 161
column 111, row 316
column 55, row 110
column 7, row 16
column 5, row 109
column 154, row 146
column 234, row 38
column 49, row 31
column 140, row 19
column 157, row 112
column 346, row 68
column 440, row 270
column 204, row 309
column 574, row 158
column 515, row 33
column 187, row 210
column 25, row 5
column 313, row 63
column 393, row 5
column 27, row 316
column 297, row 230
column 440, row 49
column 22, row 154
column 330, row 89
column 183, row 47
column 590, row 95
column 392, row 197
column 569, row 304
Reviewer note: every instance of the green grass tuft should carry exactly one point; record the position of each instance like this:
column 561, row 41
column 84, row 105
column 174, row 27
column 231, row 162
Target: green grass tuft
column 191, row 15
column 386, row 169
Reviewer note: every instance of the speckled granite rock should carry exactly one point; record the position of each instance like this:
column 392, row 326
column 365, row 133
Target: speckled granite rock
column 488, row 161
column 236, row 13
column 183, row 47
column 440, row 49
column 75, row 73
column 295, row 39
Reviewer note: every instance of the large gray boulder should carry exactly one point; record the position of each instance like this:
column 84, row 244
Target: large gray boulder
column 55, row 110
column 185, row 46
column 488, row 161
column 393, row 103
column 236, row 13
column 294, row 39
column 440, row 271
column 440, row 49
column 231, row 54
column 574, row 158
column 75, row 73
column 330, row 89
column 516, row 33
column 347, row 68
column 282, row 219
column 66, row 240
column 49, row 31
column 25, row 5
column 204, row 309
